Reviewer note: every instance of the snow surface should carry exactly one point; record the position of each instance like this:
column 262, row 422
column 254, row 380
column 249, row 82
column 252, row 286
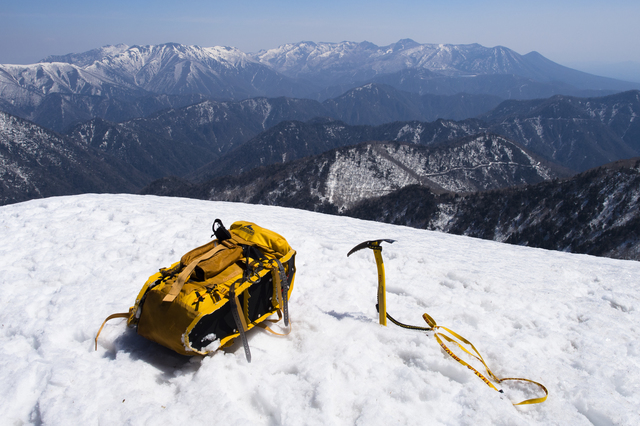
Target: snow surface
column 568, row 321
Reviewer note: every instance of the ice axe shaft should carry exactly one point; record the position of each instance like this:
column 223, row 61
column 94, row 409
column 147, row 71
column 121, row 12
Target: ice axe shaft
column 376, row 246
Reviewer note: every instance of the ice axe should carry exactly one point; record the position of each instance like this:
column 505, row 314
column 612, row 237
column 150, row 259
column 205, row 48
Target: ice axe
column 441, row 337
column 377, row 252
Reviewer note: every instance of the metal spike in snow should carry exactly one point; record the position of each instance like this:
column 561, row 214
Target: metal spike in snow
column 285, row 292
column 375, row 245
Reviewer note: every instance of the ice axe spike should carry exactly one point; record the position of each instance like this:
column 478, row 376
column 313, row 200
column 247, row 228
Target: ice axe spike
column 376, row 246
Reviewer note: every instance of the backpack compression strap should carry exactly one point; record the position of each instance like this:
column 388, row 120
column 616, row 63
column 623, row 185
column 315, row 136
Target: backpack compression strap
column 186, row 272
column 238, row 316
column 241, row 314
column 282, row 289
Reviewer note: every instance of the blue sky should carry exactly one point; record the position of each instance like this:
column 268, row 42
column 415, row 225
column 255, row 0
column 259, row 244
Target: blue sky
column 569, row 32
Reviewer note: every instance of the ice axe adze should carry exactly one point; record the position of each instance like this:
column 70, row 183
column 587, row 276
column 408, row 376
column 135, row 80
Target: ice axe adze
column 377, row 252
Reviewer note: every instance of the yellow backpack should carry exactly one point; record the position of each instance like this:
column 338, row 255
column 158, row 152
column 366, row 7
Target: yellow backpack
column 216, row 292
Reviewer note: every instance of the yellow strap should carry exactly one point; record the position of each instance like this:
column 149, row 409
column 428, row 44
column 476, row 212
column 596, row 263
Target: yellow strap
column 186, row 272
column 243, row 321
column 382, row 293
column 533, row 400
column 266, row 327
column 110, row 317
column 245, row 304
column 476, row 372
column 275, row 273
column 440, row 336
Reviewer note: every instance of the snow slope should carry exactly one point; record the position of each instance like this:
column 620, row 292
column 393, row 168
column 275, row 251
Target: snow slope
column 567, row 321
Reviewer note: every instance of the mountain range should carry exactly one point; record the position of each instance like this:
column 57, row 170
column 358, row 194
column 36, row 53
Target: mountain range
column 423, row 135
column 432, row 68
column 596, row 212
column 212, row 138
column 36, row 163
column 338, row 179
column 120, row 82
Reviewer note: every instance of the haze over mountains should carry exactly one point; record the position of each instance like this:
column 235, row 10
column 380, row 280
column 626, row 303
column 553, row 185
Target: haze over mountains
column 321, row 126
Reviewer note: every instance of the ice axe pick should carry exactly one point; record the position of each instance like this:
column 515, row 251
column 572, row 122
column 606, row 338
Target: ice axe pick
column 375, row 245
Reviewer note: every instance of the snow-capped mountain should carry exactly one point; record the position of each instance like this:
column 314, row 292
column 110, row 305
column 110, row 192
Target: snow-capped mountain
column 126, row 74
column 178, row 69
column 57, row 94
column 87, row 58
column 25, row 88
column 349, row 62
column 56, row 77
column 366, row 59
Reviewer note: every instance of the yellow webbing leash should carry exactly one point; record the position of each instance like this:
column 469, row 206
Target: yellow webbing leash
column 440, row 337
column 375, row 245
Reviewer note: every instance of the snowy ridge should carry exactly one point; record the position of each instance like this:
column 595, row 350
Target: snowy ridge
column 71, row 261
column 144, row 62
column 46, row 78
column 340, row 179
column 356, row 174
column 122, row 71
column 479, row 163
column 307, row 58
column 172, row 68
column 456, row 169
column 89, row 57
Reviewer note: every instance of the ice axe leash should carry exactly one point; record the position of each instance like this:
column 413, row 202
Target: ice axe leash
column 452, row 337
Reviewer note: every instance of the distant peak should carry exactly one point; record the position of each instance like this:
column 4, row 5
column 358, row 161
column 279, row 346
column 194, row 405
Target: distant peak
column 406, row 43
column 533, row 55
